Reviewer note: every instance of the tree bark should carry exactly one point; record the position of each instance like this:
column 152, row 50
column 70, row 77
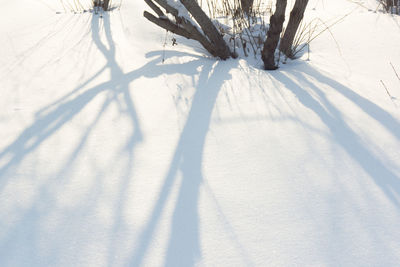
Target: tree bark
column 208, row 28
column 389, row 4
column 106, row 4
column 210, row 38
column 296, row 16
column 274, row 31
column 172, row 27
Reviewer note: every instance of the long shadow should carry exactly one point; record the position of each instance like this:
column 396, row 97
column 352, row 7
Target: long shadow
column 342, row 133
column 183, row 245
column 136, row 137
column 370, row 108
column 53, row 118
column 128, row 108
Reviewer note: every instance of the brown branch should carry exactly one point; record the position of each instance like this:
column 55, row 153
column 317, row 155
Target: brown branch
column 168, row 25
column 208, row 36
column 167, row 7
column 208, row 28
column 155, row 8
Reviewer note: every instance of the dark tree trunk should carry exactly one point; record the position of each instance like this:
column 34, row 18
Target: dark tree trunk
column 296, row 16
column 210, row 38
column 247, row 6
column 106, row 4
column 208, row 28
column 389, row 4
column 274, row 31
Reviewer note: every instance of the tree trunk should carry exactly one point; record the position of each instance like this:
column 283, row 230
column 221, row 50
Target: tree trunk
column 208, row 28
column 106, row 4
column 210, row 38
column 389, row 5
column 296, row 16
column 274, row 31
column 247, row 5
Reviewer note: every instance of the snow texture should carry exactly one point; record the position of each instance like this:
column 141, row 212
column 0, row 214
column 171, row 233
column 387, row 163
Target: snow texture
column 118, row 151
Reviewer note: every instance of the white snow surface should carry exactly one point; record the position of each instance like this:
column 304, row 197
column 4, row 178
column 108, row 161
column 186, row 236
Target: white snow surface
column 110, row 156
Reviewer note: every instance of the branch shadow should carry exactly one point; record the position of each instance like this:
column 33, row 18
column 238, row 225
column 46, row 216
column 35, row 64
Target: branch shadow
column 183, row 247
column 54, row 117
column 340, row 131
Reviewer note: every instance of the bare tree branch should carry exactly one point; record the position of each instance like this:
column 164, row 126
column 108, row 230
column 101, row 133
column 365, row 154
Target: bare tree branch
column 210, row 38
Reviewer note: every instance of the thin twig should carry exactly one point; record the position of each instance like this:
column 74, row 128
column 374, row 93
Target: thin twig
column 395, row 71
column 164, row 45
column 387, row 91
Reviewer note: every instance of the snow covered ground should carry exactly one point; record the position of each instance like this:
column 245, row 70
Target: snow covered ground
column 111, row 157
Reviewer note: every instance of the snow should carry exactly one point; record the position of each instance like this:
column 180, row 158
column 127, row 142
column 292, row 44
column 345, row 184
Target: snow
column 116, row 150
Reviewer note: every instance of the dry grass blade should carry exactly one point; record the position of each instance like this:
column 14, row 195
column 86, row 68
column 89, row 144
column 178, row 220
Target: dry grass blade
column 395, row 71
column 308, row 32
column 387, row 92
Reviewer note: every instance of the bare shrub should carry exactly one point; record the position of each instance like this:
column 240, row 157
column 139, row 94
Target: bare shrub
column 391, row 6
column 86, row 5
column 244, row 28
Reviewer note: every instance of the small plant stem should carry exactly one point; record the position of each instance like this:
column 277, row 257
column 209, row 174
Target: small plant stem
column 395, row 71
column 387, row 91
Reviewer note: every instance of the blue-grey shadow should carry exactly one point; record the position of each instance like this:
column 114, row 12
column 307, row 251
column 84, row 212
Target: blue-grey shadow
column 340, row 131
column 183, row 245
column 53, row 117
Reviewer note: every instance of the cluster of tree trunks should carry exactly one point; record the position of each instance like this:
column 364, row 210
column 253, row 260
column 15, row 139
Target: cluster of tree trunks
column 275, row 30
column 212, row 40
column 296, row 16
column 104, row 4
column 391, row 6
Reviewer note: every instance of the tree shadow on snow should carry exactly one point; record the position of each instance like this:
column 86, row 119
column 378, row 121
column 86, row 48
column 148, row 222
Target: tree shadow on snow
column 53, row 118
column 340, row 131
column 183, row 245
